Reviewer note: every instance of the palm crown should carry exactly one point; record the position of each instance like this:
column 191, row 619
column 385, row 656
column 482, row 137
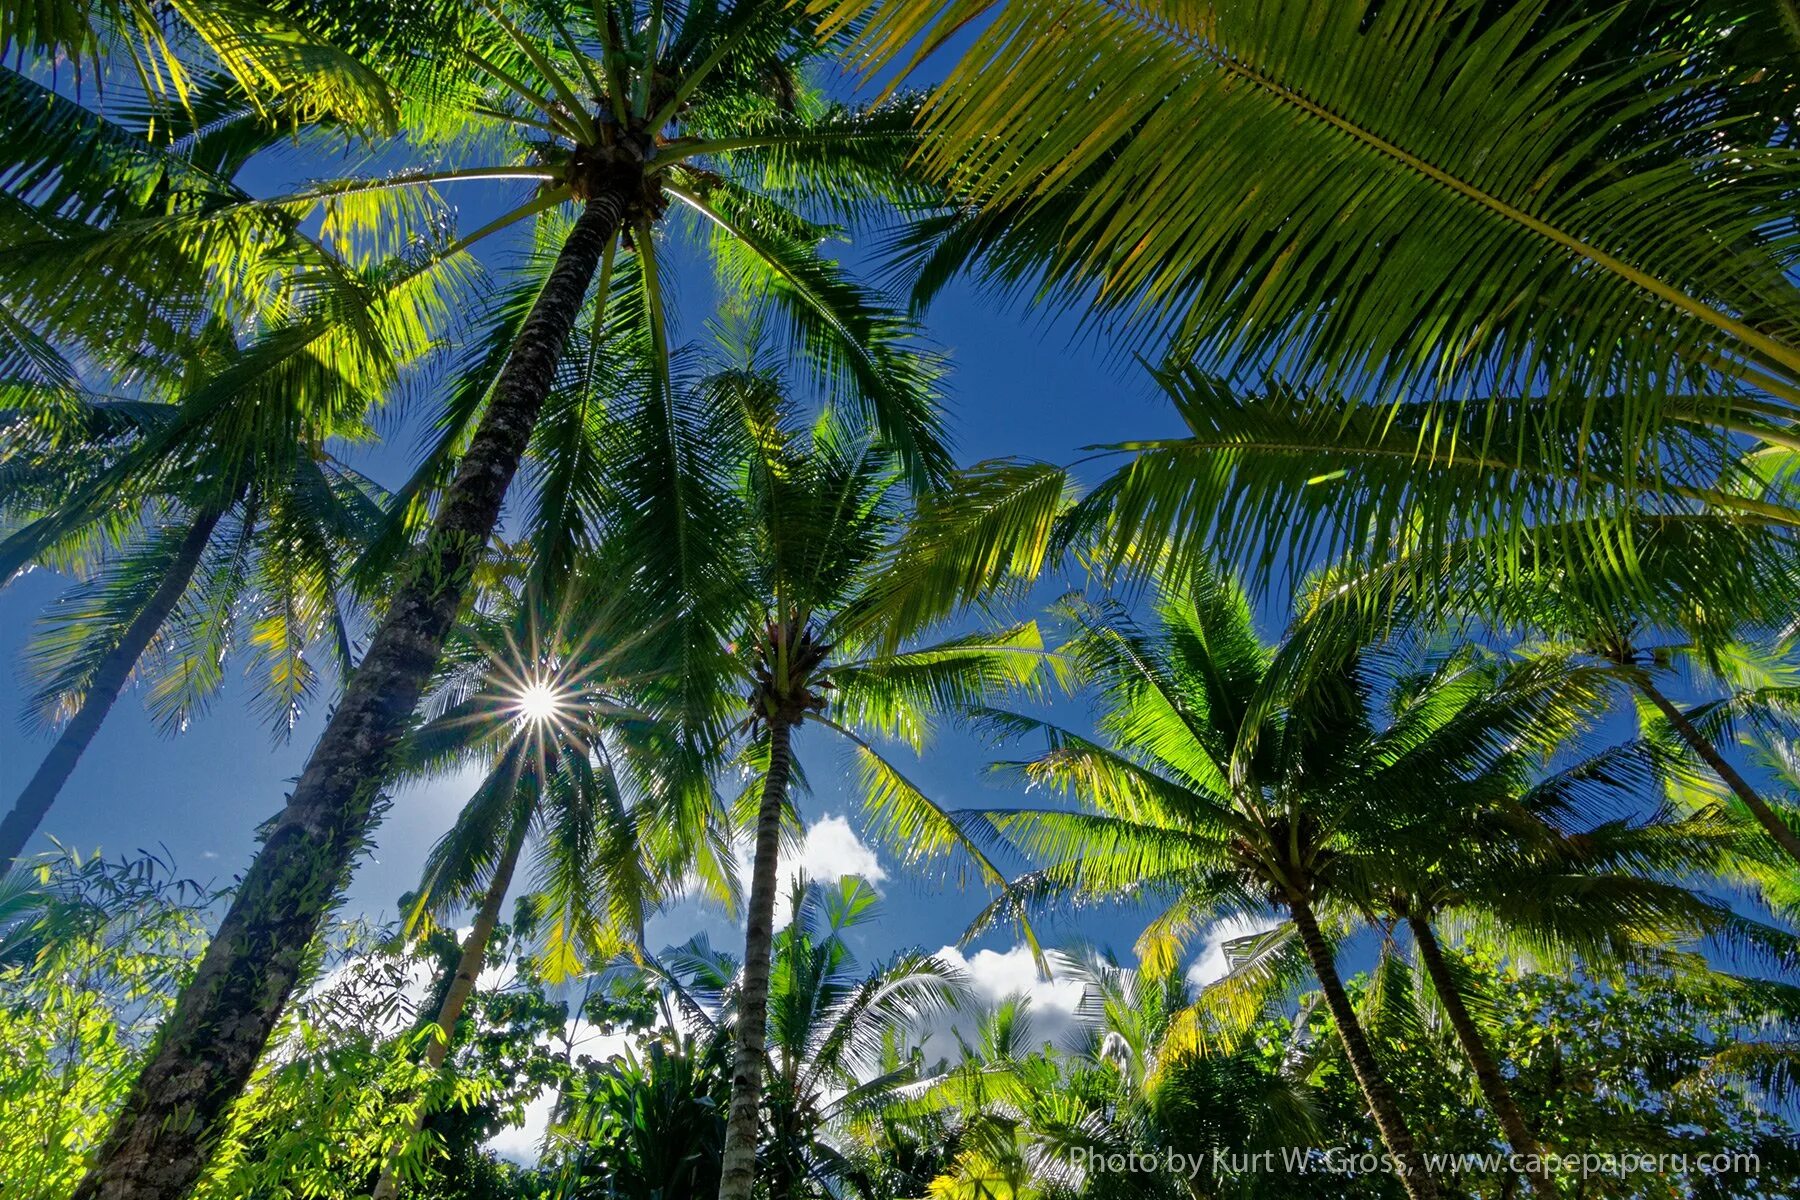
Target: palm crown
column 704, row 113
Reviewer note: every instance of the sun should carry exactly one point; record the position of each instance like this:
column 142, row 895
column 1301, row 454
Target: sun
column 540, row 702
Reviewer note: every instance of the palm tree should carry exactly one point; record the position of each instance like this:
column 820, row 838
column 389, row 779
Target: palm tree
column 1545, row 865
column 745, row 537
column 239, row 558
column 829, row 638
column 1548, row 526
column 1235, row 779
column 226, row 519
column 704, row 109
column 835, row 1029
column 837, row 1034
column 550, row 699
column 1004, row 1095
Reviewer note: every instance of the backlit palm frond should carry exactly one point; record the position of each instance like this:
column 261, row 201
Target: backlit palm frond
column 78, row 631
column 979, row 542
column 1075, row 766
column 591, row 891
column 842, row 333
column 281, row 57
column 902, row 695
column 1086, row 857
column 324, row 371
column 186, row 664
column 1546, row 203
column 459, row 864
column 805, row 160
column 901, row 994
column 921, row 831
column 1162, row 712
column 1273, row 479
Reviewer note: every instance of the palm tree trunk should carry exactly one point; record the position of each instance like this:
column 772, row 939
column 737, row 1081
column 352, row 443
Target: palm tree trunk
column 462, row 984
column 1475, row 1049
column 103, row 690
column 738, row 1170
column 1700, row 744
column 223, row 1018
column 1382, row 1104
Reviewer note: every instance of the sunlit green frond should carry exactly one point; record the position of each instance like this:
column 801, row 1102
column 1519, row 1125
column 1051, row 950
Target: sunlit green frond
column 1496, row 225
column 840, row 330
column 904, row 817
column 285, row 62
column 902, row 695
column 1274, row 479
column 979, row 541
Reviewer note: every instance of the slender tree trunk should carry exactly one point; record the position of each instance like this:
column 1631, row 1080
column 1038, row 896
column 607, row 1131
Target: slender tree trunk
column 462, row 984
column 103, row 690
column 1475, row 1049
column 211, row 1042
column 1767, row 817
column 1382, row 1104
column 738, row 1170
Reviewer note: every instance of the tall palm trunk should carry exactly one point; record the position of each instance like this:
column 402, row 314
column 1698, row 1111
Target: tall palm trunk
column 103, row 690
column 1700, row 744
column 1382, row 1104
column 738, row 1170
column 462, row 984
column 222, row 1020
column 1475, row 1049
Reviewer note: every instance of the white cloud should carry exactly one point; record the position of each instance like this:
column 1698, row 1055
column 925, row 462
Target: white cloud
column 521, row 1143
column 993, row 976
column 830, row 851
column 1212, row 966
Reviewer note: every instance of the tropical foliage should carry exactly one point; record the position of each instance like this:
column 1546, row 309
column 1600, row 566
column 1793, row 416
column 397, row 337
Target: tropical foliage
column 538, row 403
column 892, row 1080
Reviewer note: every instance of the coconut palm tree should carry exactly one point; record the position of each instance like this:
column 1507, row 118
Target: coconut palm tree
column 828, row 638
column 834, row 1030
column 838, row 1040
column 613, row 114
column 1560, row 866
column 213, row 442
column 1674, row 586
column 1235, row 778
column 1197, row 1095
column 554, row 701
column 1643, row 560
